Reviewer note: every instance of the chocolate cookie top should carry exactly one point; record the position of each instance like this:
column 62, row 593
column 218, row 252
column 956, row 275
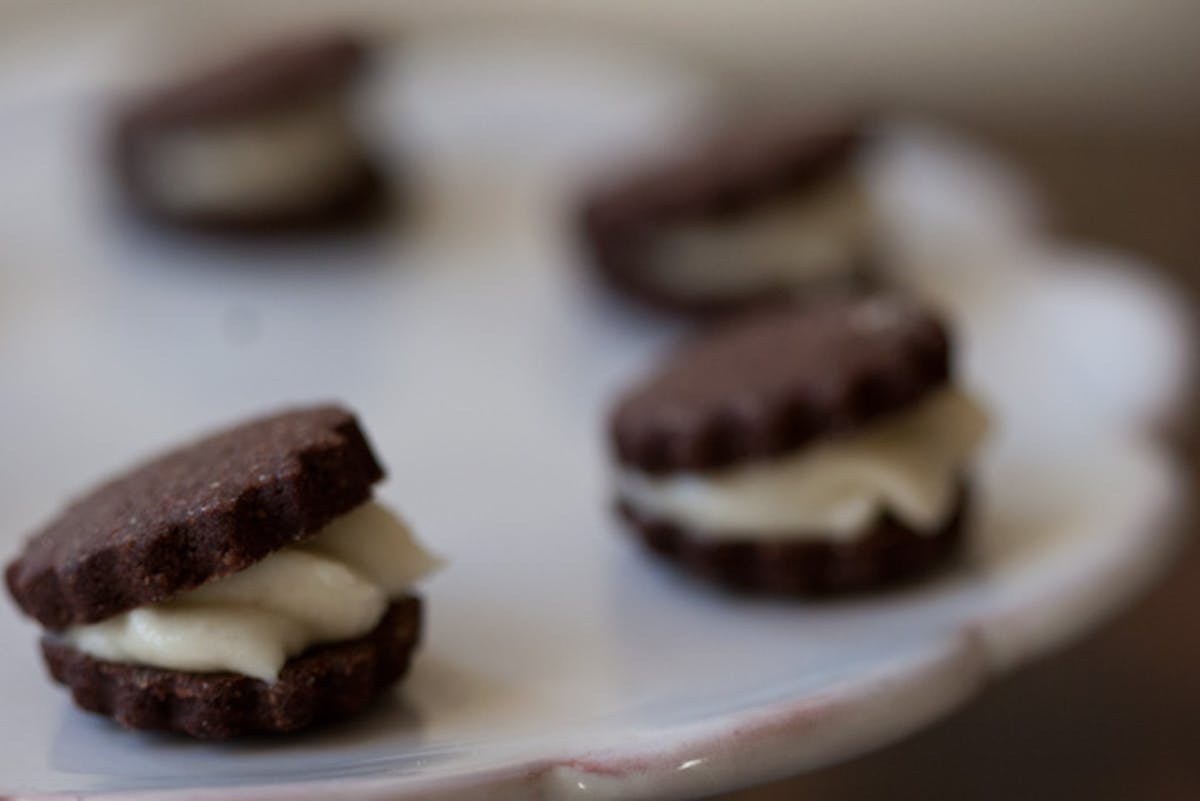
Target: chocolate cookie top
column 772, row 382
column 274, row 76
column 724, row 176
column 206, row 510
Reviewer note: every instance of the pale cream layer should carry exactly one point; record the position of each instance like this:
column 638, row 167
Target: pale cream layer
column 271, row 161
column 909, row 464
column 806, row 238
column 335, row 586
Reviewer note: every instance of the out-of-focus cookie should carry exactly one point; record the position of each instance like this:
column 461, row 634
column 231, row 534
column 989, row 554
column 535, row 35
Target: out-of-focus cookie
column 770, row 209
column 264, row 143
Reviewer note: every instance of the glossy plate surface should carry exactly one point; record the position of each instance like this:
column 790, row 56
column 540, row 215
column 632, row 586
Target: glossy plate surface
column 559, row 662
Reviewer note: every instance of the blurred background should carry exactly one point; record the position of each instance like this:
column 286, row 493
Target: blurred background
column 1086, row 66
column 1098, row 102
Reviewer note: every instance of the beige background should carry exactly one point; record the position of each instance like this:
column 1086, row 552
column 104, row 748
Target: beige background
column 1067, row 64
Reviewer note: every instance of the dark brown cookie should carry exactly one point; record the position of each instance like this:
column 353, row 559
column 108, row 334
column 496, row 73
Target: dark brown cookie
column 889, row 553
column 325, row 683
column 270, row 80
column 774, row 381
column 198, row 513
column 253, row 83
column 729, row 176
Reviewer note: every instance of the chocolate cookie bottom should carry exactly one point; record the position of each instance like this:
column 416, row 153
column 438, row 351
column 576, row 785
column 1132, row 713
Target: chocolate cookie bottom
column 362, row 200
column 324, row 683
column 891, row 552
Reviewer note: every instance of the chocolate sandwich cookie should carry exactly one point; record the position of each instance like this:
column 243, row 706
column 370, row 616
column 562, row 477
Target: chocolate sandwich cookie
column 246, row 582
column 770, row 209
column 805, row 450
column 265, row 143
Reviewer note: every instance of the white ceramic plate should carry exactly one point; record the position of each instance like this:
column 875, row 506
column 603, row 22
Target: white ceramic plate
column 559, row 661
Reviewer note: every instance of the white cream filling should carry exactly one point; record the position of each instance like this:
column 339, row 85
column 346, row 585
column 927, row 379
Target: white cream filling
column 272, row 160
column 908, row 464
column 807, row 238
column 335, row 586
